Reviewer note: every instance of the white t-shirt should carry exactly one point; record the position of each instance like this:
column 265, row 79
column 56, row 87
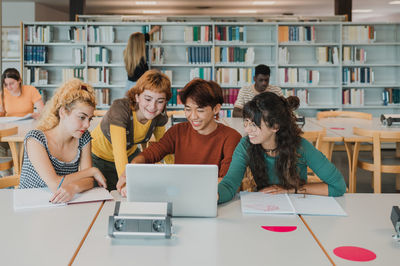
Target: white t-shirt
column 247, row 93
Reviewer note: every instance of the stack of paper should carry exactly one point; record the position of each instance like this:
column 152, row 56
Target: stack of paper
column 258, row 202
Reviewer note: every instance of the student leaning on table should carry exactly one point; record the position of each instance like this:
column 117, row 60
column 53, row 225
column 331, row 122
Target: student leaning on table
column 200, row 140
column 58, row 151
column 18, row 99
column 277, row 154
column 128, row 122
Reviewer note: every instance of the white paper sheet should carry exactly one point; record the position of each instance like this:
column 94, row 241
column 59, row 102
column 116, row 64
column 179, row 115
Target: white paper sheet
column 258, row 202
column 9, row 119
column 39, row 197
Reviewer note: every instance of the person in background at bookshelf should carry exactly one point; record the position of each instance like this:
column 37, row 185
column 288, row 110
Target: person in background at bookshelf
column 57, row 153
column 135, row 56
column 200, row 140
column 261, row 84
column 276, row 153
column 17, row 99
column 130, row 121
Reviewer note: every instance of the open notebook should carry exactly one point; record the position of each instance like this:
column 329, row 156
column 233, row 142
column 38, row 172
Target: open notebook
column 258, row 202
column 39, row 197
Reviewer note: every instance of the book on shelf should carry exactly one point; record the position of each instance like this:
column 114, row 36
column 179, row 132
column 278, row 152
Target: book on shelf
column 234, row 76
column 198, row 54
column 102, row 96
column 283, row 55
column 296, row 34
column 70, row 73
column 37, row 54
column 230, row 95
column 225, row 113
column 391, row 96
column 101, row 34
column 353, row 97
column 263, row 203
column 79, row 55
column 157, row 55
column 298, row 76
column 353, row 54
column 201, row 72
column 156, row 36
column 98, row 55
column 231, row 33
column 358, row 75
column 168, row 73
column 175, row 99
column 200, row 34
column 301, row 93
column 36, row 76
column 325, row 55
column 234, row 55
column 77, row 34
column 98, row 75
column 359, row 34
column 38, row 34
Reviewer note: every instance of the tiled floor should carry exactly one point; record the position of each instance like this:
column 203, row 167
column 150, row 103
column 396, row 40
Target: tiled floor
column 364, row 178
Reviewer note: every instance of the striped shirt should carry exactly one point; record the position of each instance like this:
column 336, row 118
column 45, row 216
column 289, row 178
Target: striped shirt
column 247, row 93
column 31, row 179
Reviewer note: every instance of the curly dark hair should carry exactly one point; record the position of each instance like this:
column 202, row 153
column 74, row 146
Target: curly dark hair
column 277, row 112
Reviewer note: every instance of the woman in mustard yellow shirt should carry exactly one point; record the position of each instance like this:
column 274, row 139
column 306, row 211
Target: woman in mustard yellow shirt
column 128, row 122
column 17, row 99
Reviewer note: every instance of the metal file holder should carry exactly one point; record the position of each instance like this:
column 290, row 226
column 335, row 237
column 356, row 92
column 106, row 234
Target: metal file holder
column 141, row 220
column 395, row 218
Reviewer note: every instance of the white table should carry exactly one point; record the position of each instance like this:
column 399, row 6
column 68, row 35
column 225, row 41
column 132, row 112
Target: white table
column 42, row 236
column 229, row 239
column 368, row 225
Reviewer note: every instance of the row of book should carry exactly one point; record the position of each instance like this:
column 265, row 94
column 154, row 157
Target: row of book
column 36, row 76
column 197, row 34
column 98, row 75
column 327, row 55
column 234, row 55
column 234, row 76
column 102, row 97
column 77, row 34
column 37, row 54
column 231, row 33
column 352, row 75
column 38, row 34
column 201, row 72
column 298, row 76
column 359, row 34
column 391, row 96
column 70, row 73
column 101, row 34
column 229, row 95
column 99, row 55
column 296, row 34
column 157, row 55
column 353, row 97
column 198, row 54
column 353, row 54
column 79, row 55
column 301, row 93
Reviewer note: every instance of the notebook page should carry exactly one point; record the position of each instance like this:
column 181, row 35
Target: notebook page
column 258, row 202
column 94, row 194
column 33, row 198
column 316, row 205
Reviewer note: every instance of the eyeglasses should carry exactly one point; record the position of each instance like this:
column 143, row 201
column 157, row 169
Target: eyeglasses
column 250, row 124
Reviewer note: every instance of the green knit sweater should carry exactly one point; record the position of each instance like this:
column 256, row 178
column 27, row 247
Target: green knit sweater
column 309, row 156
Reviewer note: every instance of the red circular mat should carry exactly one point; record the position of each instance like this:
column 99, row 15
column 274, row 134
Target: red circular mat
column 280, row 229
column 354, row 253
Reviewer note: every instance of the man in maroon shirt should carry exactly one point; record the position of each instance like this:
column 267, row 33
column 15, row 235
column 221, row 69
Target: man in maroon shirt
column 200, row 140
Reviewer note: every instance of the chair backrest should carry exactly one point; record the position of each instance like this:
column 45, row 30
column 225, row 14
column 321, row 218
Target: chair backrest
column 99, row 112
column 315, row 137
column 325, row 114
column 9, row 181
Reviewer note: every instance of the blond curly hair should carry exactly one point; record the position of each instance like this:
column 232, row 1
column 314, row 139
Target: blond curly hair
column 70, row 93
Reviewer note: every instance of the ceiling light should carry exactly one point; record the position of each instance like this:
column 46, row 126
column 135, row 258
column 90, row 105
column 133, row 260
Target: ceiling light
column 146, row 3
column 260, row 3
column 361, row 11
column 247, row 11
column 394, row 3
column 151, row 11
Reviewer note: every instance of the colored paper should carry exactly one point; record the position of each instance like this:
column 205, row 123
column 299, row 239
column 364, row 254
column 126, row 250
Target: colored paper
column 354, row 253
column 280, row 229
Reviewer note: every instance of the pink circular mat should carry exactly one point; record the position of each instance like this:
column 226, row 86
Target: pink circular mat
column 280, row 229
column 354, row 253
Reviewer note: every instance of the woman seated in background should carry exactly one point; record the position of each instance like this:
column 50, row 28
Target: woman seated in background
column 57, row 153
column 17, row 99
column 277, row 154
column 130, row 121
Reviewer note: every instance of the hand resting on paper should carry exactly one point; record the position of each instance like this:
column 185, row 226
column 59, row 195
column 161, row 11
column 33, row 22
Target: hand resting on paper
column 275, row 189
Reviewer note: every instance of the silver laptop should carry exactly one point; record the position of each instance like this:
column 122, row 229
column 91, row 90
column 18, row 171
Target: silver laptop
column 192, row 188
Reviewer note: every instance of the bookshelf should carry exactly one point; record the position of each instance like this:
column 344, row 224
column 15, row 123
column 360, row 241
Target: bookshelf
column 329, row 65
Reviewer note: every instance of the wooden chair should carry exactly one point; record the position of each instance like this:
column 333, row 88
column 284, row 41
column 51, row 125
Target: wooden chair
column 316, row 138
column 99, row 112
column 6, row 163
column 360, row 115
column 374, row 162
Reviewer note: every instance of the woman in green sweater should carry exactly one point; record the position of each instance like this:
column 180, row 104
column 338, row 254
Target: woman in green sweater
column 277, row 154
